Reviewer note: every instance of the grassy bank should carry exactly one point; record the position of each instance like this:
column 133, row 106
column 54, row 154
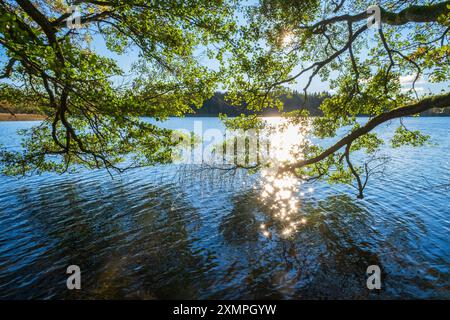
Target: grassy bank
column 21, row 117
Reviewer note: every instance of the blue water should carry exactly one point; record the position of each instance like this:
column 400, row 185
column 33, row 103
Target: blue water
column 169, row 232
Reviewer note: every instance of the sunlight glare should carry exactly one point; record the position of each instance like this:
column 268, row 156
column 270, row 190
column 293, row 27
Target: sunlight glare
column 281, row 191
column 287, row 39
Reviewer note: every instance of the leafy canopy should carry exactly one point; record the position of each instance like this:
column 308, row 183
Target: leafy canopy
column 280, row 43
column 292, row 42
column 92, row 106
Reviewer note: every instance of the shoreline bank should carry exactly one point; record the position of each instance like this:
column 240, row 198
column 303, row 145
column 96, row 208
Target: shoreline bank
column 21, row 117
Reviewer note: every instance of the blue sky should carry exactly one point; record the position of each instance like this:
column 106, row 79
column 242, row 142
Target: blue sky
column 125, row 61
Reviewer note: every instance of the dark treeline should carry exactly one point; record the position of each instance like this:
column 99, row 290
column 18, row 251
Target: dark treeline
column 218, row 104
column 294, row 101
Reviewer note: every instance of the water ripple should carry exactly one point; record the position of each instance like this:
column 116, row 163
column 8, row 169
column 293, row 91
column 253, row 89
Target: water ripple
column 149, row 234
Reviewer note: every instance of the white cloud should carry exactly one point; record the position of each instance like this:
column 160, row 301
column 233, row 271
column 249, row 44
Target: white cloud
column 409, row 79
column 418, row 89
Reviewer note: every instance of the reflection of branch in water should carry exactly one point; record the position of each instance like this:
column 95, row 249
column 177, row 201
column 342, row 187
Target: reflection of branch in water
column 340, row 239
column 445, row 186
column 216, row 177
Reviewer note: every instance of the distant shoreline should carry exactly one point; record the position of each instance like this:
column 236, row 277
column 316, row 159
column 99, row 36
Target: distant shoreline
column 435, row 115
column 38, row 117
column 21, row 117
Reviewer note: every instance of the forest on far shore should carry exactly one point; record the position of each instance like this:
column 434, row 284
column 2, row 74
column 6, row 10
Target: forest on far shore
column 293, row 101
column 218, row 104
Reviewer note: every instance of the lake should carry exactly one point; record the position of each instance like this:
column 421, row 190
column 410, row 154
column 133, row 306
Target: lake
column 171, row 232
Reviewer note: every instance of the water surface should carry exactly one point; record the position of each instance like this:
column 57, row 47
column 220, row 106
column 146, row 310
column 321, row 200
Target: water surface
column 167, row 232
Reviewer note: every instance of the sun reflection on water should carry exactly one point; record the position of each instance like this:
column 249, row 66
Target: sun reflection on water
column 281, row 192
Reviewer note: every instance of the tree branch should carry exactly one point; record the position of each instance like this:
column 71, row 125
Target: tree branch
column 44, row 23
column 354, row 172
column 8, row 69
column 440, row 101
column 417, row 14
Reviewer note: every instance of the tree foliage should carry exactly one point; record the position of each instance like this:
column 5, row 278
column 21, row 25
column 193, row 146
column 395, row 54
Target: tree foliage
column 295, row 42
column 92, row 107
column 279, row 43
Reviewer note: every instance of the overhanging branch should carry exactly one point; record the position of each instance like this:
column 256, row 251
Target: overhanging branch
column 416, row 14
column 440, row 101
